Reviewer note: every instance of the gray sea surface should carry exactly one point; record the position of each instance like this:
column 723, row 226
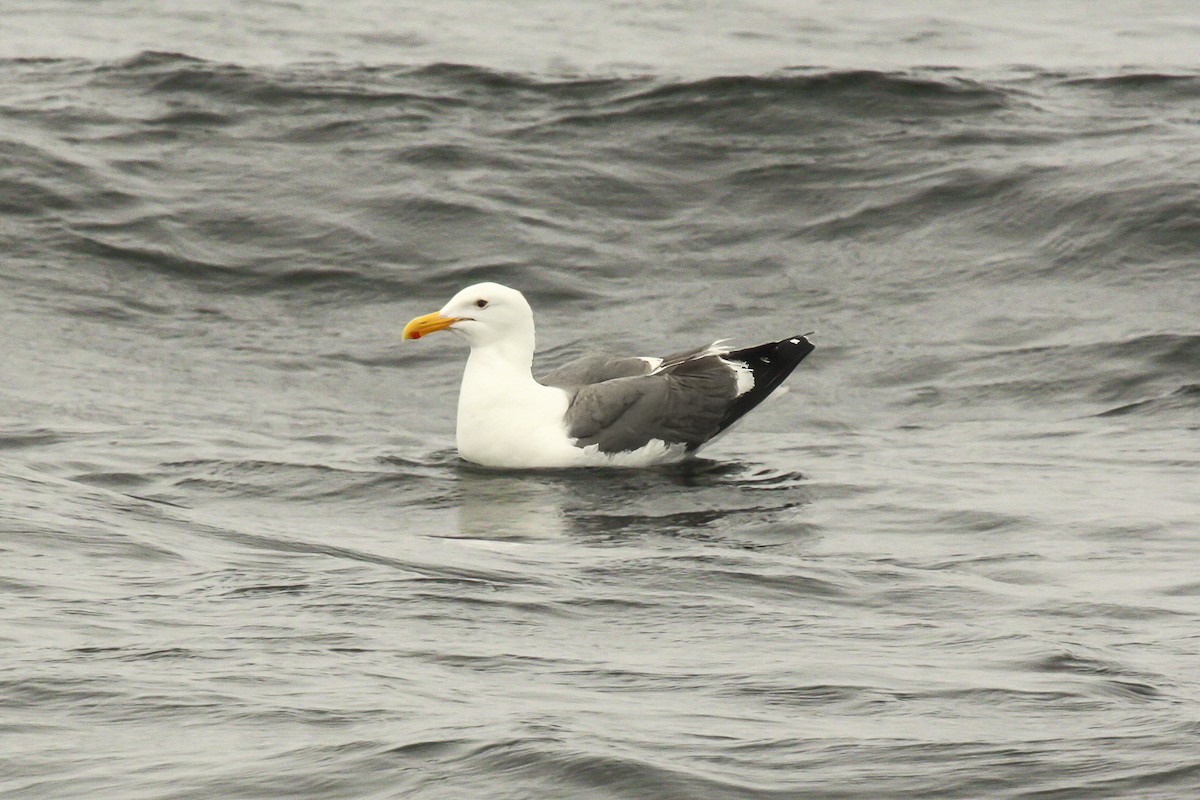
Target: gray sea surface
column 240, row 558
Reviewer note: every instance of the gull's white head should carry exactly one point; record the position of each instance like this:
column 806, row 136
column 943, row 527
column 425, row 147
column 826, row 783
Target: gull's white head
column 483, row 314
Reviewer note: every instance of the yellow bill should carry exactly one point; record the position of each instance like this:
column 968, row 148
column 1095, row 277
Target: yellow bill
column 428, row 324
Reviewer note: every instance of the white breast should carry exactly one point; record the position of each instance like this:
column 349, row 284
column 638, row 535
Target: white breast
column 506, row 419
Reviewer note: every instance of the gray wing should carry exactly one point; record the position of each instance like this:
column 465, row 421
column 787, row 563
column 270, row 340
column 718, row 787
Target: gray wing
column 682, row 406
column 595, row 368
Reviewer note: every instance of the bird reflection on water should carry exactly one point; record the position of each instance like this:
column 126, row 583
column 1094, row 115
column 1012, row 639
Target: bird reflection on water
column 673, row 500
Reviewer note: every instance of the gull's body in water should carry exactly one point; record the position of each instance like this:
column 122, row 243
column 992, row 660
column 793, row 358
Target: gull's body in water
column 599, row 410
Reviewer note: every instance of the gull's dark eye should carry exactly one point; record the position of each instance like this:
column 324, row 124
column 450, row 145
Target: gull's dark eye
column 481, row 303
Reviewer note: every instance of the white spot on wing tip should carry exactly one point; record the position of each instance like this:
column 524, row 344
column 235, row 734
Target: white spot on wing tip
column 743, row 374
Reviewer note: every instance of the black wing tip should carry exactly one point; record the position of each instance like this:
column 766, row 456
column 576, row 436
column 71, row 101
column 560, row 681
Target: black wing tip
column 801, row 341
column 771, row 364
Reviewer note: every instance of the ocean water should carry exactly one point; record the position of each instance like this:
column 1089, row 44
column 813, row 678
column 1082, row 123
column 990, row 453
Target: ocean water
column 240, row 558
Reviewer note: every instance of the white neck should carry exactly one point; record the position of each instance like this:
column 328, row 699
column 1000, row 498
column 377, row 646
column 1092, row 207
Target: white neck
column 513, row 353
column 502, row 410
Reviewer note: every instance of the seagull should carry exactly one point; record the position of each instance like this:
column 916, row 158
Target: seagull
column 599, row 410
